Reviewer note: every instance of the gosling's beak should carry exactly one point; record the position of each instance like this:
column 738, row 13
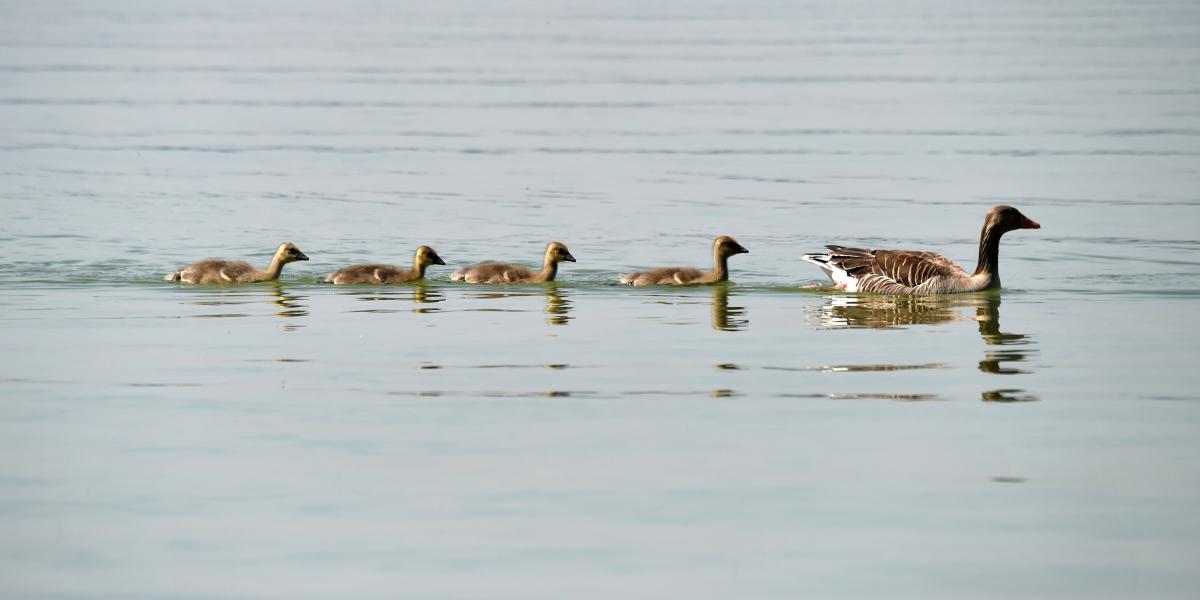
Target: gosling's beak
column 1027, row 223
column 437, row 260
column 568, row 257
column 740, row 249
column 301, row 256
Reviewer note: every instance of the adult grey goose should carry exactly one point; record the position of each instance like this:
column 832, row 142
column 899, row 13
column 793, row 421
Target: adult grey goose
column 912, row 272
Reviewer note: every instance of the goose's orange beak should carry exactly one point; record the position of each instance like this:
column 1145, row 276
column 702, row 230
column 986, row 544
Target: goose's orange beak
column 1027, row 223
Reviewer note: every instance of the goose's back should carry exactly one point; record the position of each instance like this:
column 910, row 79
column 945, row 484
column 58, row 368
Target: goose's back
column 899, row 271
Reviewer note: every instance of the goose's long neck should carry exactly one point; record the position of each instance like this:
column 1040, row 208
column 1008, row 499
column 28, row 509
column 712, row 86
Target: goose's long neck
column 419, row 267
column 549, row 270
column 989, row 251
column 276, row 267
column 720, row 266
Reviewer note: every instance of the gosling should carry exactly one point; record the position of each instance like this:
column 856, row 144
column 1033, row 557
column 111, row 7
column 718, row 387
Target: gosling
column 723, row 248
column 509, row 273
column 387, row 274
column 225, row 272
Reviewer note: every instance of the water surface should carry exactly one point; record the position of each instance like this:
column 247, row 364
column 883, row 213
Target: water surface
column 583, row 439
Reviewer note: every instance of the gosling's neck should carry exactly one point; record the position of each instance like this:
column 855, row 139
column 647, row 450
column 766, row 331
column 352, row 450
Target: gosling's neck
column 720, row 270
column 419, row 267
column 549, row 271
column 275, row 268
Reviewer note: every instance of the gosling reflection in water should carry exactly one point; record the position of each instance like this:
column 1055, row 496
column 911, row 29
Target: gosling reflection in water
column 724, row 316
column 558, row 302
column 290, row 304
column 287, row 304
column 417, row 293
column 1013, row 395
column 558, row 305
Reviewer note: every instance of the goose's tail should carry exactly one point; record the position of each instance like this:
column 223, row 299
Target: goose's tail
column 821, row 260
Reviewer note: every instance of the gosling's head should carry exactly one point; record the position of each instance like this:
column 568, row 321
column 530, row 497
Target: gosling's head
column 427, row 256
column 557, row 252
column 288, row 252
column 1006, row 218
column 727, row 246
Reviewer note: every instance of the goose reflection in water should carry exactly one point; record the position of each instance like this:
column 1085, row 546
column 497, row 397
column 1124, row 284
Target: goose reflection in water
column 1019, row 344
column 418, row 293
column 724, row 316
column 1017, row 348
column 886, row 312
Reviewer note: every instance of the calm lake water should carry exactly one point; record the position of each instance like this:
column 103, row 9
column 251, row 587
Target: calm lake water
column 582, row 439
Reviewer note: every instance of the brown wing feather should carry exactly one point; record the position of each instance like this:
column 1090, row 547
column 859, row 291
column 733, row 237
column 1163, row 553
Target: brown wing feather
column 912, row 268
column 894, row 271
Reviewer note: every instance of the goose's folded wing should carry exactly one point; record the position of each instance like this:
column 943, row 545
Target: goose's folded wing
column 882, row 270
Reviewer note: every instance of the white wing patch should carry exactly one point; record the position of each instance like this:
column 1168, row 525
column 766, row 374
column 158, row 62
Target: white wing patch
column 844, row 280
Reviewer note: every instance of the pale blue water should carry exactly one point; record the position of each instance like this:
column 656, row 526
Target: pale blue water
column 756, row 440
